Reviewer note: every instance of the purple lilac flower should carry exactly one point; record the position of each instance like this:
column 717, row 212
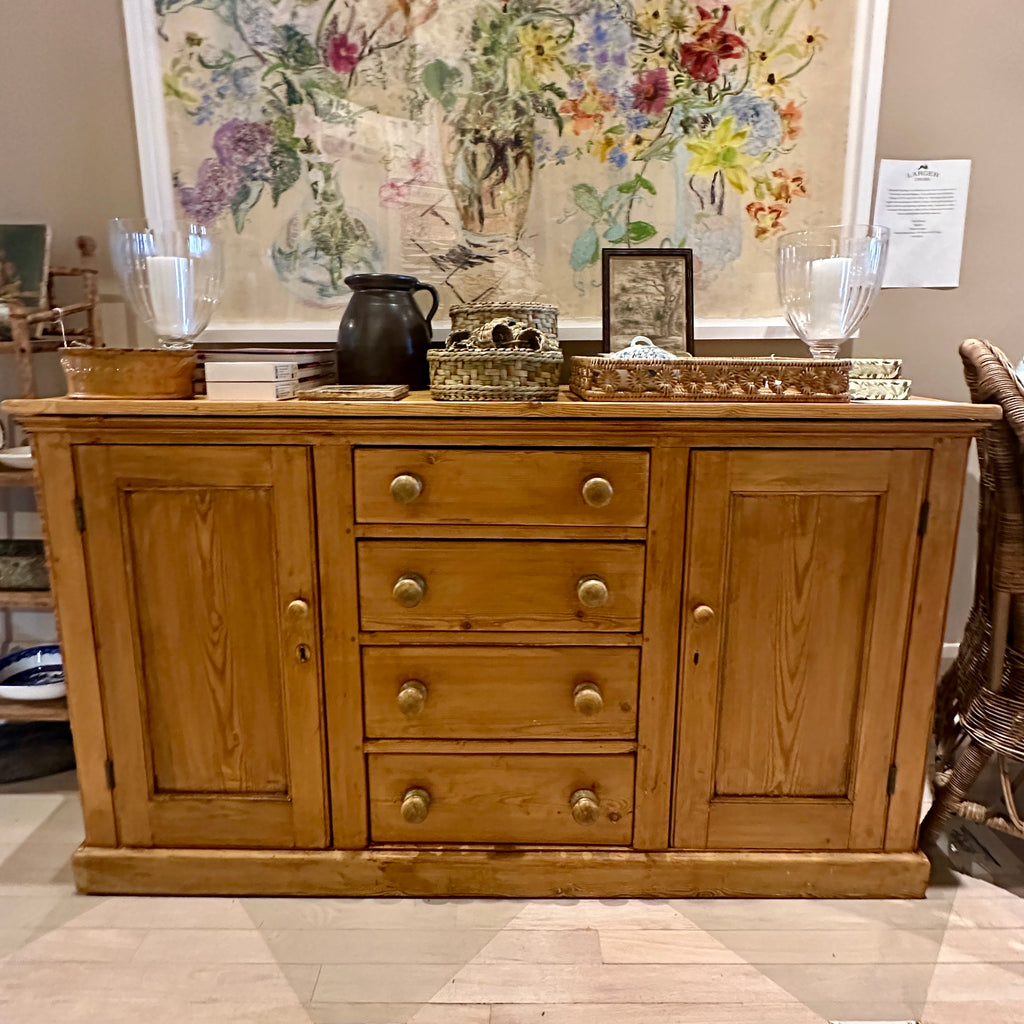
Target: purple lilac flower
column 215, row 186
column 636, row 120
column 244, row 146
column 617, row 157
column 561, row 154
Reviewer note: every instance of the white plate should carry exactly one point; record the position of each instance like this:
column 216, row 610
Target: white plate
column 16, row 458
column 44, row 691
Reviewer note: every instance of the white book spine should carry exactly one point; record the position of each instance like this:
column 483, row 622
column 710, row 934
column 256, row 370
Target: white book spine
column 252, row 371
column 251, row 390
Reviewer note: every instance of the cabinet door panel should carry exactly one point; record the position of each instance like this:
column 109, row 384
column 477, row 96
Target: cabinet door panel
column 790, row 690
column 213, row 717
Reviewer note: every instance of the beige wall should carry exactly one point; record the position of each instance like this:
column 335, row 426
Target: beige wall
column 952, row 89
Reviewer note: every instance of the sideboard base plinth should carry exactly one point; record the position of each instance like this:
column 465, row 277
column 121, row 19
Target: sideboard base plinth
column 518, row 873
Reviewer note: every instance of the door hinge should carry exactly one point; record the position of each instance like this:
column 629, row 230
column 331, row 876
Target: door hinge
column 922, row 519
column 79, row 514
column 108, row 769
column 890, row 785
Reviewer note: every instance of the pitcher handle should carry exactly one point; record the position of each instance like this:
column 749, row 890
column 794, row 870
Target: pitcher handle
column 421, row 287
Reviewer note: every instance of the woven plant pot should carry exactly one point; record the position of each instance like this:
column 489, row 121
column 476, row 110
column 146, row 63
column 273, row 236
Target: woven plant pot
column 470, row 315
column 494, row 375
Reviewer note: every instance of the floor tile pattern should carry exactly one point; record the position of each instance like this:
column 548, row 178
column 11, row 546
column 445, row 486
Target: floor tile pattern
column 955, row 957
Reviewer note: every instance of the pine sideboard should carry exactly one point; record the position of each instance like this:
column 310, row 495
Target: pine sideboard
column 501, row 649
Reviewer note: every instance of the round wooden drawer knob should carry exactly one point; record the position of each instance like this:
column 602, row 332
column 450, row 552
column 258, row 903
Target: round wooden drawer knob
column 409, row 590
column 597, row 491
column 412, row 698
column 406, row 488
column 584, row 806
column 415, row 805
column 592, row 591
column 587, row 698
column 703, row 613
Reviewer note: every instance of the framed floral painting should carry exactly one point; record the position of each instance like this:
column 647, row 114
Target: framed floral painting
column 494, row 148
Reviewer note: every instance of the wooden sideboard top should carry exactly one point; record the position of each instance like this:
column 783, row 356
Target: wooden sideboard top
column 420, row 404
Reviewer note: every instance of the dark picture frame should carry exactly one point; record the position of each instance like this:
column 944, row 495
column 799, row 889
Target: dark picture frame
column 647, row 292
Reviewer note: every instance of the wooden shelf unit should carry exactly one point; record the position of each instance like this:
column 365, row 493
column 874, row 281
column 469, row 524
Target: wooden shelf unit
column 27, row 599
column 34, row 710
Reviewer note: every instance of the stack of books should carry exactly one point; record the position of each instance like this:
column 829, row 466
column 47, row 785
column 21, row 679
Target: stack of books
column 262, row 373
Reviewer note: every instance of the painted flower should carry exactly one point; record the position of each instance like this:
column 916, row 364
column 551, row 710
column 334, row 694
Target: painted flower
column 721, row 150
column 413, row 12
column 651, row 91
column 244, row 145
column 711, row 44
column 760, row 117
column 767, row 219
column 215, row 187
column 539, row 52
column 791, row 116
column 589, row 110
column 393, row 193
column 786, row 186
column 342, row 53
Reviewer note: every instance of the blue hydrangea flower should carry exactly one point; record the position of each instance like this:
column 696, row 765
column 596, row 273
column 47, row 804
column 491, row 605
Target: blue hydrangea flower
column 761, row 116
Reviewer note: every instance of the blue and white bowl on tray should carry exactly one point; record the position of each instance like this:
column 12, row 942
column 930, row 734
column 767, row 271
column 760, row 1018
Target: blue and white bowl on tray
column 36, row 673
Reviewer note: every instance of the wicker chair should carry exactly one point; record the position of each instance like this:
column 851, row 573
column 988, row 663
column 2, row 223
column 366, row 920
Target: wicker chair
column 980, row 707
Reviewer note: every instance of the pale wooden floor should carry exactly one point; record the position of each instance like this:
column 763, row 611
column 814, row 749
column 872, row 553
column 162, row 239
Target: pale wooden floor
column 954, row 958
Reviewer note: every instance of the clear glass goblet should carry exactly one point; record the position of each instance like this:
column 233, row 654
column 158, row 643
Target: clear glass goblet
column 172, row 275
column 828, row 278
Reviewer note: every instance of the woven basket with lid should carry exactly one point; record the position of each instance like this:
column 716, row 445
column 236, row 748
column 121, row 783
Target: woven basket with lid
column 502, row 359
column 468, row 316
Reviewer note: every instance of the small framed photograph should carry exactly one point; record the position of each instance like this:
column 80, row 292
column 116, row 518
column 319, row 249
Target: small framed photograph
column 647, row 292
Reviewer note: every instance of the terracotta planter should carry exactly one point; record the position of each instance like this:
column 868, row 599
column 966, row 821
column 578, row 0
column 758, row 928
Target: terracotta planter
column 128, row 373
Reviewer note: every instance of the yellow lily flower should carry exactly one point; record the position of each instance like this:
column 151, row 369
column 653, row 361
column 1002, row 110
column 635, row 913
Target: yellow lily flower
column 721, row 150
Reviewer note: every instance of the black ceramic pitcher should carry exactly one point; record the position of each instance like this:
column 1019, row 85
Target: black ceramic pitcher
column 383, row 336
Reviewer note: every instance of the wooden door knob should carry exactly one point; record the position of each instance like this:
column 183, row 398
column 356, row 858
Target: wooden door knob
column 587, row 699
column 597, row 491
column 412, row 698
column 415, row 805
column 592, row 591
column 406, row 488
column 584, row 806
column 703, row 613
column 409, row 590
column 298, row 607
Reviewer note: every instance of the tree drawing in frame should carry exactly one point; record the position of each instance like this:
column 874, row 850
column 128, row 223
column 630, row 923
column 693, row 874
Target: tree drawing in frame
column 648, row 292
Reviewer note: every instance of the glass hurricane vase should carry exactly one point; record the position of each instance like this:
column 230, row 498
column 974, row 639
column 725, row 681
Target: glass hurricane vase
column 828, row 278
column 172, row 276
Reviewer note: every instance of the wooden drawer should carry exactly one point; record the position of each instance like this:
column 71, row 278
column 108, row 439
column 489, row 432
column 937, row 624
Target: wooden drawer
column 500, row 692
column 524, row 585
column 512, row 798
column 502, row 487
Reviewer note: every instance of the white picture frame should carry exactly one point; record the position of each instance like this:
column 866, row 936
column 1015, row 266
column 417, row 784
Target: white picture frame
column 868, row 54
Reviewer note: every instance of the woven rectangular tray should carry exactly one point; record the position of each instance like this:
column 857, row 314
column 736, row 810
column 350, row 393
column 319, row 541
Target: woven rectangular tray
column 741, row 379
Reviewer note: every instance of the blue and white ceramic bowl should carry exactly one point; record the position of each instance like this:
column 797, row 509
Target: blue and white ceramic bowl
column 36, row 673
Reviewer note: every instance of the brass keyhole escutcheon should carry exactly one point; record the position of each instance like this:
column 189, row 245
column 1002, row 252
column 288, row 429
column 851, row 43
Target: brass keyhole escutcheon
column 412, row 698
column 409, row 590
column 592, row 591
column 584, row 806
column 597, row 491
column 415, row 805
column 304, row 653
column 406, row 488
column 587, row 699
